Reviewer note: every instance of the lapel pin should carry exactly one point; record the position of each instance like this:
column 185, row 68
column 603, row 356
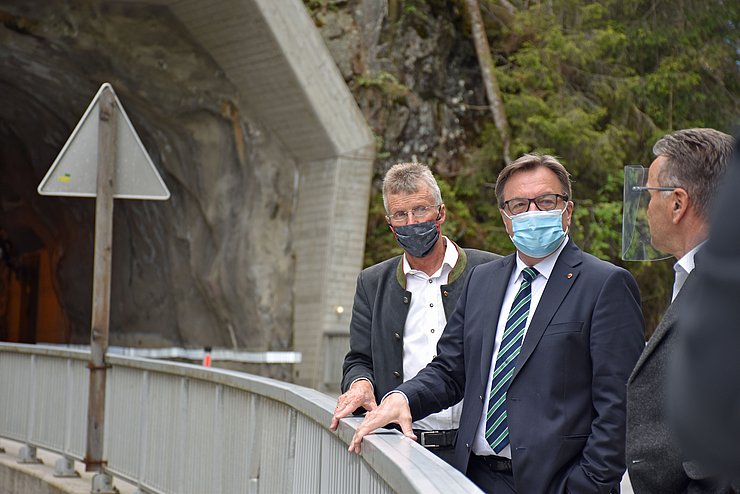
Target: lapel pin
column 569, row 275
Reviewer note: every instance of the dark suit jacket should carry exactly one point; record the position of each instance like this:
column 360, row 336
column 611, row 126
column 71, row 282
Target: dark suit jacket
column 379, row 314
column 656, row 462
column 566, row 402
column 706, row 387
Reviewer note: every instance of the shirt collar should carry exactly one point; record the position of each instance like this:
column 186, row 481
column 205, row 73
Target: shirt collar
column 686, row 263
column 546, row 265
column 450, row 259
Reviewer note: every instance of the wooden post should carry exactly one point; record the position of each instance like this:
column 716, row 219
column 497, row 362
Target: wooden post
column 107, row 123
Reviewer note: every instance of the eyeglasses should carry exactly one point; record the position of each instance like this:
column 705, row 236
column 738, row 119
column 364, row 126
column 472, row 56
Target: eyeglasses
column 419, row 212
column 545, row 202
column 638, row 188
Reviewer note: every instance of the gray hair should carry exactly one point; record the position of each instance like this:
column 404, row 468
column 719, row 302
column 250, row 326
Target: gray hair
column 530, row 162
column 404, row 178
column 696, row 160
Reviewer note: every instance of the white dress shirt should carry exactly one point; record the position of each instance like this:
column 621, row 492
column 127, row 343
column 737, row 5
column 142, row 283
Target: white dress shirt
column 544, row 267
column 424, row 325
column 683, row 268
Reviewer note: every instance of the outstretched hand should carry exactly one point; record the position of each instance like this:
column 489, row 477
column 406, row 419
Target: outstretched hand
column 360, row 394
column 394, row 409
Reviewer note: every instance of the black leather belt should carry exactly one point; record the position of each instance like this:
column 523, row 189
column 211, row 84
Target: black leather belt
column 497, row 464
column 436, row 439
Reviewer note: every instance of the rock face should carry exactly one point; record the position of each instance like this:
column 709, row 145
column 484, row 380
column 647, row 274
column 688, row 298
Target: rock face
column 208, row 267
column 413, row 72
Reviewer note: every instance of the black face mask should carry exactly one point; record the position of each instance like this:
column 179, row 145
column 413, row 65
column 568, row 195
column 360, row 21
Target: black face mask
column 417, row 239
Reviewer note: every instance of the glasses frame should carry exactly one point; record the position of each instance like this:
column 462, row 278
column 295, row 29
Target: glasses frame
column 639, row 188
column 531, row 200
column 390, row 220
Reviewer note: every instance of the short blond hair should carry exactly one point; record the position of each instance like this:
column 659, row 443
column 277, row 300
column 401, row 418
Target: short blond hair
column 404, row 178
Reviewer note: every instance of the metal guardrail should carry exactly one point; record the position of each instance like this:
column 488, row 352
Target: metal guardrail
column 197, row 354
column 334, row 347
column 180, row 428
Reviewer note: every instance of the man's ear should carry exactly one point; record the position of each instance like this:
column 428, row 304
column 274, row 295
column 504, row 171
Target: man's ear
column 506, row 222
column 681, row 203
column 569, row 212
column 442, row 214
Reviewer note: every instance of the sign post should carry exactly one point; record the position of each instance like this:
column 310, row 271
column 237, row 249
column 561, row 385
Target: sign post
column 107, row 123
column 103, row 158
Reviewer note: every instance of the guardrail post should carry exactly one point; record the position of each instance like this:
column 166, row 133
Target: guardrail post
column 27, row 454
column 219, row 440
column 102, row 483
column 65, row 467
column 255, row 432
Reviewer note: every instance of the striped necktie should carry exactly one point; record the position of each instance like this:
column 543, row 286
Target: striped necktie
column 497, row 427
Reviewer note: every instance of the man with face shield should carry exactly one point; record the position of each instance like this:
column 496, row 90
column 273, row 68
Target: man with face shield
column 540, row 346
column 401, row 305
column 680, row 185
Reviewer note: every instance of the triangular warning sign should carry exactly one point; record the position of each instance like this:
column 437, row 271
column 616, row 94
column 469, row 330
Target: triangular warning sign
column 75, row 171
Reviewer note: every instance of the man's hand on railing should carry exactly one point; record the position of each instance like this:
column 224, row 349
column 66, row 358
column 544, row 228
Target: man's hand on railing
column 359, row 394
column 394, row 409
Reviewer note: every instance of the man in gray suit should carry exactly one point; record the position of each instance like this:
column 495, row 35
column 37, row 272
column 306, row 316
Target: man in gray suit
column 682, row 180
column 402, row 304
column 705, row 386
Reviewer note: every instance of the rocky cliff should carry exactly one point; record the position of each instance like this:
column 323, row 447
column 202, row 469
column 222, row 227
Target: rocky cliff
column 414, row 73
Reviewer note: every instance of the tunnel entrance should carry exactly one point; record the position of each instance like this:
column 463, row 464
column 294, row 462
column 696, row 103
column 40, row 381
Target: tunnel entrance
column 218, row 264
column 45, row 243
column 30, row 306
column 30, row 311
column 19, row 295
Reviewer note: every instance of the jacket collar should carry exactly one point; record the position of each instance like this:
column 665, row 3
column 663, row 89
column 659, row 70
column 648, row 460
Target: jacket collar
column 665, row 326
column 457, row 270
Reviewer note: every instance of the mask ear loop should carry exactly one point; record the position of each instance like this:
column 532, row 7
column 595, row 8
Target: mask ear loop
column 392, row 229
column 567, row 229
column 439, row 217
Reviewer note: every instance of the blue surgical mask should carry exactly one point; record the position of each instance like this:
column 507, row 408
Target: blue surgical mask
column 538, row 233
column 417, row 239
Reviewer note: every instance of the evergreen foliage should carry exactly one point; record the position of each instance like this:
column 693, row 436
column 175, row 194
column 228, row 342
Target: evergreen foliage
column 594, row 83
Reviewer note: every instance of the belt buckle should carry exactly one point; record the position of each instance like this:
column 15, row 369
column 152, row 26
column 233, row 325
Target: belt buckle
column 427, row 439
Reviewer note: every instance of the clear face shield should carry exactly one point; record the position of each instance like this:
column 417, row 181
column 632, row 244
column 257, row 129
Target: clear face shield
column 636, row 245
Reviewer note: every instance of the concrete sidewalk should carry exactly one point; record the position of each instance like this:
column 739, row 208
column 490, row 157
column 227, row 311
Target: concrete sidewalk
column 38, row 478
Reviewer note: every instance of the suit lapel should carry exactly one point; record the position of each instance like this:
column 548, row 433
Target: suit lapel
column 494, row 290
column 564, row 274
column 665, row 326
